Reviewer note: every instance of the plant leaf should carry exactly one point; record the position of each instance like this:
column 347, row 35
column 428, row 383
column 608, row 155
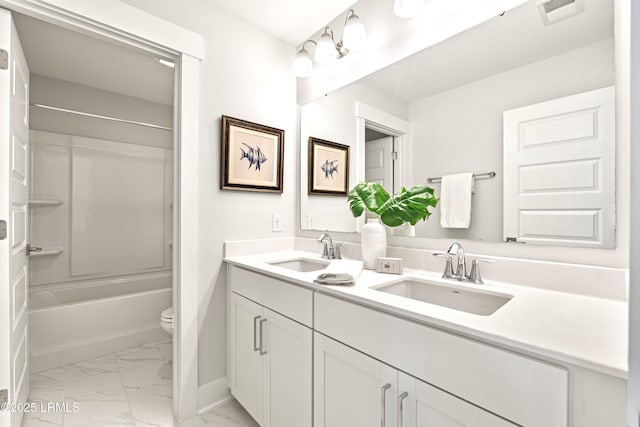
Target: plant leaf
column 408, row 206
column 367, row 195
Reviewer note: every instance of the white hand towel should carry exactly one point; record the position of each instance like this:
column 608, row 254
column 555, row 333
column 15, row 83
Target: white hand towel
column 340, row 272
column 455, row 200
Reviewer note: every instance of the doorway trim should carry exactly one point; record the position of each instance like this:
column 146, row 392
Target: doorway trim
column 373, row 118
column 114, row 20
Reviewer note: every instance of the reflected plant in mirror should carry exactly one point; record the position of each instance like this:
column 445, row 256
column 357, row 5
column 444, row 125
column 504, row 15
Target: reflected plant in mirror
column 407, row 206
column 469, row 116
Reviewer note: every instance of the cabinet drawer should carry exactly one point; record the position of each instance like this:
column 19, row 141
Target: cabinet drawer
column 285, row 298
column 518, row 388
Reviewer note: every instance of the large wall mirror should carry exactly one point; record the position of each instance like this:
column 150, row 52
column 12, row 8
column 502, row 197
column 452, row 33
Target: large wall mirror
column 441, row 110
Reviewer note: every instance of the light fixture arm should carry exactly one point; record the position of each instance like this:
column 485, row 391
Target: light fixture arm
column 307, row 41
column 329, row 30
column 350, row 13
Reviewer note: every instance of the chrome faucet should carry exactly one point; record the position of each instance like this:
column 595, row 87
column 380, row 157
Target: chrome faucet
column 461, row 265
column 461, row 269
column 330, row 250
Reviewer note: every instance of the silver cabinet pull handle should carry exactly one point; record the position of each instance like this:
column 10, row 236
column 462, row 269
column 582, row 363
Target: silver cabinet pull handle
column 262, row 350
column 383, row 404
column 256, row 346
column 401, row 408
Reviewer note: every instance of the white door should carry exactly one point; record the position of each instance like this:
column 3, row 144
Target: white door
column 287, row 351
column 14, row 146
column 379, row 162
column 351, row 389
column 420, row 405
column 246, row 362
column 559, row 171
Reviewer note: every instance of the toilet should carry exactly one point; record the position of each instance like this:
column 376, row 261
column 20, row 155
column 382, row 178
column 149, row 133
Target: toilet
column 166, row 320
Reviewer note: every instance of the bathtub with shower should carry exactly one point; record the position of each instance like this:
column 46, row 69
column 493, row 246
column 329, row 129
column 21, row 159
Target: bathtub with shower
column 77, row 321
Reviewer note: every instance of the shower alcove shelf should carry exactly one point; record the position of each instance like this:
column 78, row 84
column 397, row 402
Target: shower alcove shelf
column 47, row 252
column 44, row 203
column 41, row 203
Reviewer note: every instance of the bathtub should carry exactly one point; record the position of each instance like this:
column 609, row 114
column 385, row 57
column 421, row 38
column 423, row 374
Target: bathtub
column 69, row 323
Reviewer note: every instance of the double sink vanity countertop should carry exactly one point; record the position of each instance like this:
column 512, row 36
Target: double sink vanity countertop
column 581, row 330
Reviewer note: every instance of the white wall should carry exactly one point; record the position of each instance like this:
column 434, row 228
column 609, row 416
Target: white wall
column 245, row 74
column 391, row 39
column 628, row 45
column 460, row 130
column 332, row 118
column 63, row 94
column 114, row 218
column 60, row 140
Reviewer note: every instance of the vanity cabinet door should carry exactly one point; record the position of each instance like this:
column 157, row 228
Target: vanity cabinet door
column 420, row 404
column 351, row 389
column 270, row 364
column 287, row 351
column 246, row 365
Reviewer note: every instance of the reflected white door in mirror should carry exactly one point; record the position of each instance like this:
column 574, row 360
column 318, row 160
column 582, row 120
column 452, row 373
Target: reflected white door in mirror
column 344, row 118
column 559, row 171
column 452, row 97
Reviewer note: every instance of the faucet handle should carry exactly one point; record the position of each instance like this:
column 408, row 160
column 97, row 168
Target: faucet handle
column 448, row 266
column 337, row 253
column 475, row 276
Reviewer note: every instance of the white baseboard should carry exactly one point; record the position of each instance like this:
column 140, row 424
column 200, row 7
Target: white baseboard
column 211, row 394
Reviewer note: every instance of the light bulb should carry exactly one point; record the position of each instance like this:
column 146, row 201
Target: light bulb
column 303, row 65
column 355, row 34
column 407, row 8
column 326, row 52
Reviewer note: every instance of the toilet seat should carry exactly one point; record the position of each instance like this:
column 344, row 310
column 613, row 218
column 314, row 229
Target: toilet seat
column 167, row 315
column 166, row 320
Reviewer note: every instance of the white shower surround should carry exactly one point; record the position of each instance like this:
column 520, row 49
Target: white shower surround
column 73, row 322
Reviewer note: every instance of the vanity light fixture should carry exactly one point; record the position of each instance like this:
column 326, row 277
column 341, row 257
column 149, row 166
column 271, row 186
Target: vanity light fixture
column 327, row 51
column 407, row 8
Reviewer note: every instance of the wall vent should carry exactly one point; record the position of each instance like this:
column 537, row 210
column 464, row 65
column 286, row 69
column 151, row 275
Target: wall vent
column 552, row 11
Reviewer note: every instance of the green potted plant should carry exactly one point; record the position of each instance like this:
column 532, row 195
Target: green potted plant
column 407, row 206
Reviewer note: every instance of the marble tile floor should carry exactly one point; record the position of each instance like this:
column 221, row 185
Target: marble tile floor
column 127, row 388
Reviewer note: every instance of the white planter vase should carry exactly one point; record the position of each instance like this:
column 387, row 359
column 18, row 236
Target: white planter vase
column 374, row 242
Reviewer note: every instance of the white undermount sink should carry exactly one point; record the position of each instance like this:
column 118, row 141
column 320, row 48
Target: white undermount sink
column 303, row 265
column 473, row 301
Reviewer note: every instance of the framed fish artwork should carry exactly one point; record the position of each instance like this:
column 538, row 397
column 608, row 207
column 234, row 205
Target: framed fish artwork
column 252, row 156
column 328, row 168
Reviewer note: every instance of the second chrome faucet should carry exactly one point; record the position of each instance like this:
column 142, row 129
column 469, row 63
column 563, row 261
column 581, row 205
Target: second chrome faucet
column 460, row 273
column 330, row 250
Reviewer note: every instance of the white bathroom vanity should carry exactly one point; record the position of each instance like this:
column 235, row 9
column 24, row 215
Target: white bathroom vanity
column 302, row 354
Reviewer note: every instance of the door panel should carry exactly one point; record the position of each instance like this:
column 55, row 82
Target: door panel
column 288, row 371
column 14, row 149
column 247, row 378
column 350, row 387
column 559, row 171
column 425, row 405
column 379, row 163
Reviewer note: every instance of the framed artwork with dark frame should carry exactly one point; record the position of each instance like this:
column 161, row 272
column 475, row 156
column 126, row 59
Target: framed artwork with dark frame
column 252, row 156
column 328, row 168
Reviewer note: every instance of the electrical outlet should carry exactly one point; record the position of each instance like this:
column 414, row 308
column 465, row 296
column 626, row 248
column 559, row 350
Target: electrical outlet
column 309, row 220
column 389, row 265
column 276, row 222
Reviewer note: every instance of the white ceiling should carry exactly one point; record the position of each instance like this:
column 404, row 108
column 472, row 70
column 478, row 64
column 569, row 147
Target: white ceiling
column 67, row 55
column 503, row 43
column 71, row 56
column 290, row 20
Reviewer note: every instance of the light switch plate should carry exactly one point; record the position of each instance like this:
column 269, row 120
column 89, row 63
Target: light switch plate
column 276, row 222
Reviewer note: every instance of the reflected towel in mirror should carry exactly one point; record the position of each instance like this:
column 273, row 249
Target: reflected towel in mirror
column 455, row 200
